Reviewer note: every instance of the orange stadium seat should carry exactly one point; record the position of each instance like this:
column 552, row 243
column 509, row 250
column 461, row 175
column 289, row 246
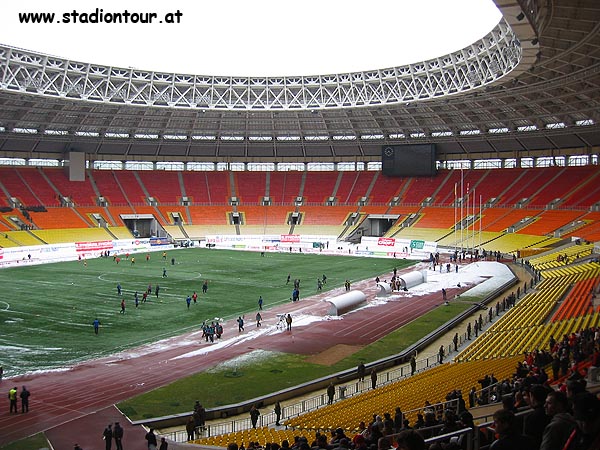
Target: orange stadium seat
column 109, row 187
column 250, row 187
column 285, row 187
column 131, row 187
column 319, row 186
column 80, row 192
column 164, row 186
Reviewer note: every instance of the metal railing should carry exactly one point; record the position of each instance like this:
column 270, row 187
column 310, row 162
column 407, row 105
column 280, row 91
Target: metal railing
column 355, row 387
column 351, row 387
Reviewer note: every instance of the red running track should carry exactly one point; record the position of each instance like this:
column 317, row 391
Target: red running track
column 75, row 405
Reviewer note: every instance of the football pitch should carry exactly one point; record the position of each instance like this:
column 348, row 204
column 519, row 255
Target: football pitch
column 47, row 311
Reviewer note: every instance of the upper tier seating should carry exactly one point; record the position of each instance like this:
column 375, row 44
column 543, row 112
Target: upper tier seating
column 250, row 187
column 386, row 188
column 131, row 187
column 12, row 181
column 458, row 181
column 162, row 185
column 39, row 186
column 353, row 186
column 196, row 187
column 219, row 189
column 421, row 188
column 531, row 184
column 285, row 187
column 108, row 187
column 587, row 191
column 490, row 184
column 319, row 186
column 80, row 192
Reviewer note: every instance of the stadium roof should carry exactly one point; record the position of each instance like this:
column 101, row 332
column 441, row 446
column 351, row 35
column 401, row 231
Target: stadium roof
column 249, row 38
column 529, row 87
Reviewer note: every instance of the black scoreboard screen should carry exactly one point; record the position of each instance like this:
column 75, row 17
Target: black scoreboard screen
column 408, row 160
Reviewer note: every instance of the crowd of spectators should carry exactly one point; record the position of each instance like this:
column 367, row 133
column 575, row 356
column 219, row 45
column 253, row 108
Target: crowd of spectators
column 535, row 411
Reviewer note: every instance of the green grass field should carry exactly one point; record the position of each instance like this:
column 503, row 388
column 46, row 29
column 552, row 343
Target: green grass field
column 46, row 311
column 266, row 372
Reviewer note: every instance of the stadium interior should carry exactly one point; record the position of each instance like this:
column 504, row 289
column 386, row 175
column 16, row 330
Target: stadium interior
column 516, row 166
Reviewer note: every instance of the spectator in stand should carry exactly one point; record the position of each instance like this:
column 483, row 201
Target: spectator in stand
column 384, row 444
column 535, row 422
column 410, row 440
column 398, row 419
column 508, row 438
column 561, row 425
column 586, row 409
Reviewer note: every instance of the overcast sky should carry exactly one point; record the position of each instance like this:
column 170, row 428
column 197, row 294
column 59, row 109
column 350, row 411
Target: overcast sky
column 254, row 37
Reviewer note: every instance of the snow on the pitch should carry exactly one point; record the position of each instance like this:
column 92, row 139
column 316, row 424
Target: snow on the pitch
column 299, row 320
column 481, row 277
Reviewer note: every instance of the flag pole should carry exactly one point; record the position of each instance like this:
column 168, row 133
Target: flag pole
column 455, row 205
column 473, row 222
column 462, row 198
column 480, row 220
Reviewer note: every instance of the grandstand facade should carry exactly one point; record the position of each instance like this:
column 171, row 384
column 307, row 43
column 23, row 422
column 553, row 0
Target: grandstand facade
column 514, row 119
column 505, row 209
column 240, row 155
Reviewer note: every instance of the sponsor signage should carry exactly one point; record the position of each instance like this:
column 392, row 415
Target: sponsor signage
column 386, row 242
column 289, row 238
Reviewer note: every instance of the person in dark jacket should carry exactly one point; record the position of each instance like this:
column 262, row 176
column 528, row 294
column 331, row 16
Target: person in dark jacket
column 151, row 438
column 561, row 425
column 24, row 400
column 107, row 435
column 535, row 422
column 254, row 413
column 118, row 435
column 508, row 438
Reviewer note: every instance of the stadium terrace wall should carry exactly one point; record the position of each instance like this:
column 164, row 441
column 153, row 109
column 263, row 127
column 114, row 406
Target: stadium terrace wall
column 369, row 246
column 44, row 254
